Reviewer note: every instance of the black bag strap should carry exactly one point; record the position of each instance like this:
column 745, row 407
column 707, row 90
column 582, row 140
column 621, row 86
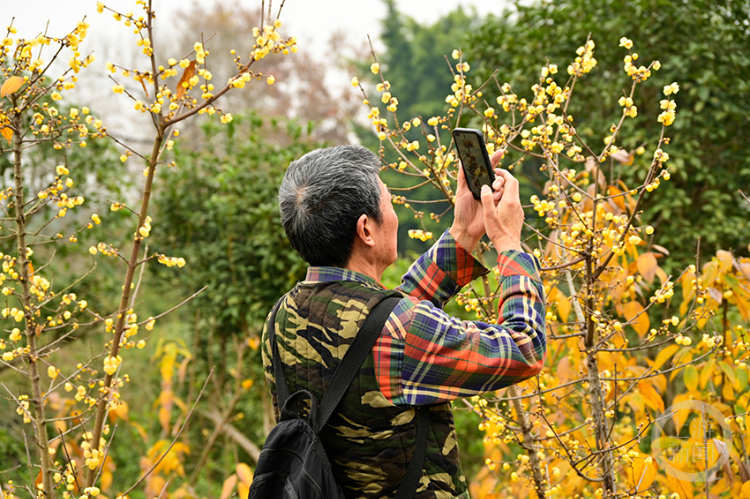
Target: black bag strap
column 409, row 484
column 342, row 379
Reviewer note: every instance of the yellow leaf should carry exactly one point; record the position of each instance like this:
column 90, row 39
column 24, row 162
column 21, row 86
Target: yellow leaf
column 745, row 491
column 243, row 490
column 245, row 474
column 647, row 266
column 706, row 372
column 725, row 261
column 641, row 474
column 685, row 489
column 635, row 400
column 11, row 85
column 7, row 133
column 664, row 356
column 729, row 373
column 727, row 391
column 690, row 376
column 663, row 277
column 563, row 306
column 688, row 288
column 106, row 479
column 119, row 412
column 186, row 75
column 650, row 396
column 228, row 487
column 633, row 311
column 710, row 271
column 619, row 199
column 680, row 416
column 164, row 418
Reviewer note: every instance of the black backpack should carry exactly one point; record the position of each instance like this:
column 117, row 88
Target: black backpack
column 293, row 463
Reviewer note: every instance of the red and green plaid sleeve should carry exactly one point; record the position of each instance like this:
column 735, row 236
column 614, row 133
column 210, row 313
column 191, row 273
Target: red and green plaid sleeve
column 425, row 356
column 441, row 272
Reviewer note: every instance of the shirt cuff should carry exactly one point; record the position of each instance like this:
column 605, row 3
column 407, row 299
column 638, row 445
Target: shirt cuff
column 455, row 261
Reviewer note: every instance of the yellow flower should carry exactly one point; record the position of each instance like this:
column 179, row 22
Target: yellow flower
column 52, row 372
column 355, row 81
column 375, row 68
column 667, row 118
column 15, row 335
column 270, row 80
column 671, row 89
column 626, row 42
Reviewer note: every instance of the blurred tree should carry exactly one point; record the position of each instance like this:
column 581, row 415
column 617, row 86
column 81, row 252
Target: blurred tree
column 218, row 209
column 702, row 44
column 415, row 61
column 304, row 89
column 415, row 57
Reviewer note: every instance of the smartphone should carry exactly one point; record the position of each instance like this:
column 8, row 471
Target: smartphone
column 474, row 158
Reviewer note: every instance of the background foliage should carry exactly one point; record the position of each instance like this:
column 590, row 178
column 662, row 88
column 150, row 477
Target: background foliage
column 701, row 44
column 664, row 331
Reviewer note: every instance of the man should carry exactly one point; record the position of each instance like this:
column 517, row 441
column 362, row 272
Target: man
column 338, row 215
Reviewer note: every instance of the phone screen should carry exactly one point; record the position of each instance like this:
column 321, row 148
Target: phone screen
column 474, row 159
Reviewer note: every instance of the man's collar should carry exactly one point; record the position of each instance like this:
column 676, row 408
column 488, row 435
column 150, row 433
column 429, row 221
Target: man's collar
column 327, row 274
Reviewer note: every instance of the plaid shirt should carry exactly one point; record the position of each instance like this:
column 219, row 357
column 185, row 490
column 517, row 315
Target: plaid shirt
column 425, row 356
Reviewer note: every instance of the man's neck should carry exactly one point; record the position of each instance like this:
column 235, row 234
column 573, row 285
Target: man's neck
column 359, row 263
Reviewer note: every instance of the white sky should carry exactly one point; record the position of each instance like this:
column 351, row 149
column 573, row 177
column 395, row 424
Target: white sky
column 310, row 20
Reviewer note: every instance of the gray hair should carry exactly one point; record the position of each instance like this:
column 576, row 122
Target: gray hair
column 321, row 198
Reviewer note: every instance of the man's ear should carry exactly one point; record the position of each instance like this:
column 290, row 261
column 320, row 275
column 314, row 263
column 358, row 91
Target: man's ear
column 364, row 230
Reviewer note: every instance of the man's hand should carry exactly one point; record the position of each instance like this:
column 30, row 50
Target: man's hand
column 503, row 213
column 468, row 223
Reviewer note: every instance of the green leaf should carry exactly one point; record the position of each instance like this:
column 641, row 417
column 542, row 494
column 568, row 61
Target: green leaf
column 690, row 377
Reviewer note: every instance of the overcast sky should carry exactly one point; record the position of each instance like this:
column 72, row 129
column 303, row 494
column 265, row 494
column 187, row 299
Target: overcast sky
column 310, row 20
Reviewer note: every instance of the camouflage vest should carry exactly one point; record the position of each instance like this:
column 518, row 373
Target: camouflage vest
column 369, row 440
